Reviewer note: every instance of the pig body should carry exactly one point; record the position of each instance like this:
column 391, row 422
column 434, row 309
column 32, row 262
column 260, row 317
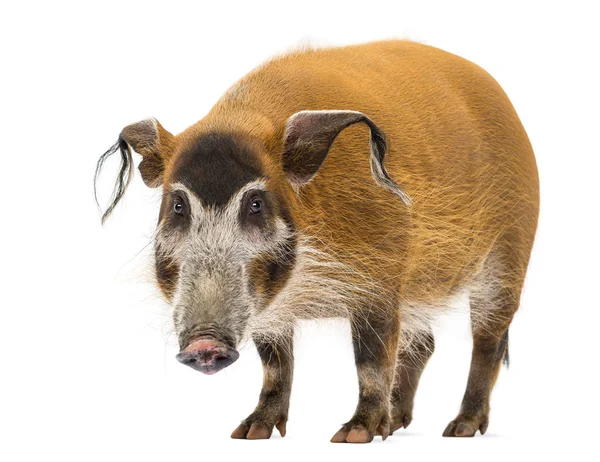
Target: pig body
column 371, row 182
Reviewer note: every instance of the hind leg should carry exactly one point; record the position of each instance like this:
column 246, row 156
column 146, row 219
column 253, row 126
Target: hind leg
column 494, row 299
column 409, row 367
column 489, row 349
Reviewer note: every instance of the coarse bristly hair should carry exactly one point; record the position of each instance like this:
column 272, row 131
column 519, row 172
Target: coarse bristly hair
column 456, row 147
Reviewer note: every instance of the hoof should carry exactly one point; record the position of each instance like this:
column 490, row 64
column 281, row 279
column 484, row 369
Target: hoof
column 359, row 434
column 258, row 430
column 461, row 427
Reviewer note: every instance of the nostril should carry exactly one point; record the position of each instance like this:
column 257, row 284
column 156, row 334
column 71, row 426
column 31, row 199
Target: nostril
column 221, row 358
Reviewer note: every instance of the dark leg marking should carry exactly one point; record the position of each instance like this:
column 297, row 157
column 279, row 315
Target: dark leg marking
column 375, row 340
column 272, row 409
column 490, row 348
column 411, row 362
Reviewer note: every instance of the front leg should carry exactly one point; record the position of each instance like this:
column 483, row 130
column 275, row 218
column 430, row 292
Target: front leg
column 272, row 410
column 375, row 337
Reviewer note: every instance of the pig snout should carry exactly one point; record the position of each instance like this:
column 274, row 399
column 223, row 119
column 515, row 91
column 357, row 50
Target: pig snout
column 207, row 355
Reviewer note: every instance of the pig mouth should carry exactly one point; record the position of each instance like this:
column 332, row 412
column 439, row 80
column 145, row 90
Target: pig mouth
column 207, row 355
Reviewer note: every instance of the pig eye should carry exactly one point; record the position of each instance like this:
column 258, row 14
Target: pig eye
column 255, row 206
column 178, row 206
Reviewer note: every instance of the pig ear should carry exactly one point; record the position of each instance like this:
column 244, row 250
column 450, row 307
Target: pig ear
column 155, row 144
column 149, row 139
column 310, row 134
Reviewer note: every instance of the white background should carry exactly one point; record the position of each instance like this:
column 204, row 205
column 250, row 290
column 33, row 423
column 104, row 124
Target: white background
column 87, row 364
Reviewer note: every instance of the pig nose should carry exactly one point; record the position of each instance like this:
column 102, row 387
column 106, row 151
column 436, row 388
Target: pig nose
column 207, row 355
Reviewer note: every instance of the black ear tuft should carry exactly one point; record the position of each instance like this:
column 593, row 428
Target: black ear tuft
column 153, row 143
column 123, row 178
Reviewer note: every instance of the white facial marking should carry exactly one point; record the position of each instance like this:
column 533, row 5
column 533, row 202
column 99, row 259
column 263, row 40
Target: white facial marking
column 213, row 253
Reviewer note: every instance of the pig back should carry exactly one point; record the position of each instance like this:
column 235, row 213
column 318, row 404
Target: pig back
column 455, row 145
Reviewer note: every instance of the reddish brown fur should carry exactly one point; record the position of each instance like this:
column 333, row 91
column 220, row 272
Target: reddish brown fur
column 456, row 146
